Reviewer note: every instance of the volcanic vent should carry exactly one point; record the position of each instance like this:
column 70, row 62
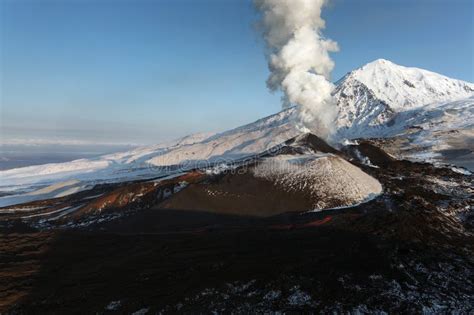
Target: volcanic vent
column 305, row 174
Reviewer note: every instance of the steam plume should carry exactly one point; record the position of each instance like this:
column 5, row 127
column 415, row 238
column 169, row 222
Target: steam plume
column 298, row 59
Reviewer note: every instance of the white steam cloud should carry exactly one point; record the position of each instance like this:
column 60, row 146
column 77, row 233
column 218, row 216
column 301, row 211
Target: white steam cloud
column 299, row 61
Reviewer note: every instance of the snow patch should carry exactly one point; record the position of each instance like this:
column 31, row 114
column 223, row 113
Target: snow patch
column 462, row 171
column 113, row 306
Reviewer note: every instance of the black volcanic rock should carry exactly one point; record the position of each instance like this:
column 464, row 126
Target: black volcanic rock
column 313, row 142
column 367, row 150
column 408, row 251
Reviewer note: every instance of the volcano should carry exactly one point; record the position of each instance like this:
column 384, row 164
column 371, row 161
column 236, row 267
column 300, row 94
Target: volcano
column 261, row 218
column 431, row 121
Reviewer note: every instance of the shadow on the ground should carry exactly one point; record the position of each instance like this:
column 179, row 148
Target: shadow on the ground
column 159, row 257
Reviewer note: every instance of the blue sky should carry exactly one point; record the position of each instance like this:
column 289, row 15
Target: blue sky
column 144, row 71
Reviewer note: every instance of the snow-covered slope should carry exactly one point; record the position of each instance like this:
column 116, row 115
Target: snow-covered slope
column 438, row 132
column 156, row 160
column 247, row 140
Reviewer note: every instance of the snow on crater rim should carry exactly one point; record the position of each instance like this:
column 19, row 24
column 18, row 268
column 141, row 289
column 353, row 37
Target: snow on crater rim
column 330, row 180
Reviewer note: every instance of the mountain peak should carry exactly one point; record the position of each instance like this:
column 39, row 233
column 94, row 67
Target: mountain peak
column 403, row 87
column 380, row 62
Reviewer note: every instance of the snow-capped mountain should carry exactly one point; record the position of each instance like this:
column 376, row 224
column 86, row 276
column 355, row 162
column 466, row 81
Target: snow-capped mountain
column 370, row 98
column 404, row 88
column 380, row 99
column 431, row 115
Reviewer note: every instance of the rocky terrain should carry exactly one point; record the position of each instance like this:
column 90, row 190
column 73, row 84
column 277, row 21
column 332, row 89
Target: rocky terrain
column 130, row 247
